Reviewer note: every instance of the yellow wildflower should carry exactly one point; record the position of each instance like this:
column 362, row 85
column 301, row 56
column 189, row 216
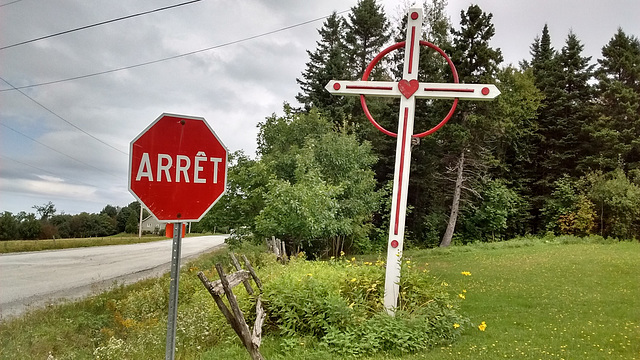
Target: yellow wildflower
column 482, row 326
column 462, row 296
column 354, row 279
column 353, row 259
column 456, row 325
column 466, row 273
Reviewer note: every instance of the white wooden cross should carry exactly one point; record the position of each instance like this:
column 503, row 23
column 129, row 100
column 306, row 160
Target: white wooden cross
column 407, row 89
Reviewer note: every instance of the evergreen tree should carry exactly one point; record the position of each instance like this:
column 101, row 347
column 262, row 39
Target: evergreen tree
column 616, row 131
column 563, row 78
column 543, row 55
column 367, row 32
column 516, row 109
column 471, row 130
column 429, row 204
column 568, row 113
column 327, row 62
column 546, row 72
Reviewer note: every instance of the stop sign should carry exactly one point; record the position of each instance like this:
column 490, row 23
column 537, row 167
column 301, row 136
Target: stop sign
column 177, row 168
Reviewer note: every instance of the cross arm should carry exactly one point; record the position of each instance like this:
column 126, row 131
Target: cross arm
column 376, row 88
column 480, row 92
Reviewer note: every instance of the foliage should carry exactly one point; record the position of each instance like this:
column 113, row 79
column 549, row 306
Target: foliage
column 605, row 203
column 243, row 199
column 472, row 132
column 29, row 227
column 614, row 131
column 340, row 304
column 326, row 63
column 569, row 210
column 366, row 33
column 298, row 213
column 312, row 186
column 8, row 226
column 497, row 215
column 46, row 210
column 618, row 200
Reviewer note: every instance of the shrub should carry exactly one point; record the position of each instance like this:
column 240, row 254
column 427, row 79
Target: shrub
column 340, row 303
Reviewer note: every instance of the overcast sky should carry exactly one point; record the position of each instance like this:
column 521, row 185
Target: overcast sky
column 68, row 142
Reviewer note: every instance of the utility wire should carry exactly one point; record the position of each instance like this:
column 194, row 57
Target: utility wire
column 172, row 57
column 9, row 3
column 52, row 149
column 65, row 120
column 98, row 24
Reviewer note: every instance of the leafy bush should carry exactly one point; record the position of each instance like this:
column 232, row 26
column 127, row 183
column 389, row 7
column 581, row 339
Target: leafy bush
column 340, row 303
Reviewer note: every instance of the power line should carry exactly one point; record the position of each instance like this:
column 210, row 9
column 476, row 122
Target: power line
column 65, row 120
column 9, row 3
column 171, row 57
column 97, row 24
column 59, row 152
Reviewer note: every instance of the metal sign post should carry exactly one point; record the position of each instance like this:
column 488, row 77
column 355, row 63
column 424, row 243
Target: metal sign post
column 408, row 90
column 173, row 291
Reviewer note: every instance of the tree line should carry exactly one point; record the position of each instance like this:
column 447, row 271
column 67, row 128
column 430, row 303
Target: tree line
column 557, row 151
column 45, row 223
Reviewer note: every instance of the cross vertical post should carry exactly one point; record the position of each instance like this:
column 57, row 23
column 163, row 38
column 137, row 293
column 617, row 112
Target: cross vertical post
column 403, row 161
column 408, row 90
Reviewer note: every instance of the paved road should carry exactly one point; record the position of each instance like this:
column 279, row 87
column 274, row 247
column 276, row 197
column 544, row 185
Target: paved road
column 35, row 279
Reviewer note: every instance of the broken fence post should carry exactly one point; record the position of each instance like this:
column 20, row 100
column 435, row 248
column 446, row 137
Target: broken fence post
column 251, row 339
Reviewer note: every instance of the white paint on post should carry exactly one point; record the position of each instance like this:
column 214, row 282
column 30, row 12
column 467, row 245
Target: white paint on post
column 403, row 164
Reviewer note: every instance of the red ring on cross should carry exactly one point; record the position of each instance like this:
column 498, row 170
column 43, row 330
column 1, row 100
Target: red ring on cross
column 375, row 61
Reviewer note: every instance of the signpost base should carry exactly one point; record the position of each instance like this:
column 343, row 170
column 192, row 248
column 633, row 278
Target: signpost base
column 173, row 291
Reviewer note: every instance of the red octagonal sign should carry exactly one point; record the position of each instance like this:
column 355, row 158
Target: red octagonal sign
column 178, row 168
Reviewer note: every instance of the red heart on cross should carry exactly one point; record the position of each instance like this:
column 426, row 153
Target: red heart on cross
column 408, row 88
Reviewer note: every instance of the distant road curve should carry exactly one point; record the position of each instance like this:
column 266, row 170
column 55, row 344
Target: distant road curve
column 34, row 279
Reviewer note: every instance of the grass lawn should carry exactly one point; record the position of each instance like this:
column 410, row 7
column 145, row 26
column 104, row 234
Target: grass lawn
column 579, row 301
column 538, row 300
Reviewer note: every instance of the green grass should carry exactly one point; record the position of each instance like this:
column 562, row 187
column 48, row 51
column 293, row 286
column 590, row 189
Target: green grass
column 10, row 246
column 539, row 301
column 549, row 301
